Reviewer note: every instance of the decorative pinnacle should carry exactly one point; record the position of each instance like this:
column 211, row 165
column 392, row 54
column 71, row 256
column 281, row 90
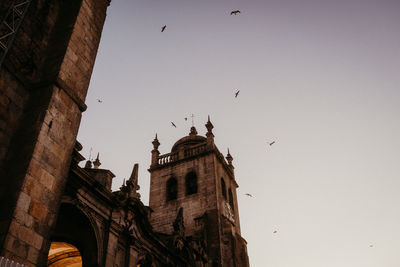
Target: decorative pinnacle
column 129, row 187
column 97, row 162
column 229, row 158
column 193, row 131
column 209, row 125
column 209, row 134
column 155, row 143
column 88, row 164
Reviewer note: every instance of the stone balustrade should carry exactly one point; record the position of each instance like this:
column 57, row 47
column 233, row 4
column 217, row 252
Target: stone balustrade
column 167, row 158
column 195, row 150
column 187, row 152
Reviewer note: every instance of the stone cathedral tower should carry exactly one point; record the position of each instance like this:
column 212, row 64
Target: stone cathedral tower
column 196, row 183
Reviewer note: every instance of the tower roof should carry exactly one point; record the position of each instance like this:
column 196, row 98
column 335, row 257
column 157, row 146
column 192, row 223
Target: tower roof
column 190, row 140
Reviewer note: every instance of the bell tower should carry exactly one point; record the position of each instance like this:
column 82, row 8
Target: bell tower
column 194, row 178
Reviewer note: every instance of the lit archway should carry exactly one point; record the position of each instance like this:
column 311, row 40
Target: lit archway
column 64, row 254
column 74, row 228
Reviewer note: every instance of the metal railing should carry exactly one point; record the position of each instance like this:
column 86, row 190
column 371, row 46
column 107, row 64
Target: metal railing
column 9, row 263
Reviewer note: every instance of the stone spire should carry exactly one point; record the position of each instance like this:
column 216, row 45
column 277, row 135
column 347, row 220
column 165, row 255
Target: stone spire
column 97, row 162
column 155, row 153
column 209, row 134
column 229, row 159
column 132, row 183
column 128, row 190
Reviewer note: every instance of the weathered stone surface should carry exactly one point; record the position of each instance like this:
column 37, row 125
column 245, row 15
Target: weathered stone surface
column 43, row 85
column 207, row 213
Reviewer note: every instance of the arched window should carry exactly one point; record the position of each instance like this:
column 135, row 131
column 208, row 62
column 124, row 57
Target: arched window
column 172, row 189
column 191, row 183
column 231, row 199
column 223, row 187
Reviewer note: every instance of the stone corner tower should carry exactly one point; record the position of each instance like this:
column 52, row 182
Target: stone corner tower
column 196, row 178
column 47, row 54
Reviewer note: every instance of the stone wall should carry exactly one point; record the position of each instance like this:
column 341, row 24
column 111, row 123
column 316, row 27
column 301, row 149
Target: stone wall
column 165, row 212
column 43, row 85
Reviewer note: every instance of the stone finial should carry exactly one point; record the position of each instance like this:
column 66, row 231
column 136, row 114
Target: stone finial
column 209, row 134
column 179, row 227
column 155, row 143
column 97, row 162
column 155, row 153
column 193, row 131
column 88, row 164
column 229, row 158
column 209, row 125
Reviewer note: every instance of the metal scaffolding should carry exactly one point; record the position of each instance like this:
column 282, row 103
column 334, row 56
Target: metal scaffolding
column 10, row 24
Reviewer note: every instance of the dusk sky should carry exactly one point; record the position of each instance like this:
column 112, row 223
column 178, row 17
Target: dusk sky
column 321, row 78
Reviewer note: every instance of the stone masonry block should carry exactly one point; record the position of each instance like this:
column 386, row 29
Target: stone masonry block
column 23, row 217
column 24, row 201
column 33, row 254
column 37, row 210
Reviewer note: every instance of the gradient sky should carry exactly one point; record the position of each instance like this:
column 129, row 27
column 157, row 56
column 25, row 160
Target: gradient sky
column 319, row 77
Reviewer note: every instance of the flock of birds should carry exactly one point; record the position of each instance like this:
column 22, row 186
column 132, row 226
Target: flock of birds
column 234, row 12
column 163, row 28
column 236, row 95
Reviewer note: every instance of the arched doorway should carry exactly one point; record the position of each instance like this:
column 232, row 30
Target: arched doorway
column 74, row 233
column 64, row 254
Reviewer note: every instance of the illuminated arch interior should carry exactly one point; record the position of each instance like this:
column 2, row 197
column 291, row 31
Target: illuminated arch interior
column 64, row 254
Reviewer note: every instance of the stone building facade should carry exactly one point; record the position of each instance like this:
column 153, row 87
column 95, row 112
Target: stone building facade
column 194, row 179
column 113, row 228
column 48, row 202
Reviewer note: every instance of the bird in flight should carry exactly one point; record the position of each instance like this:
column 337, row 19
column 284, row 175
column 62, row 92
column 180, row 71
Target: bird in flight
column 275, row 232
column 235, row 12
column 100, row 101
column 237, row 93
column 271, row 143
column 185, row 118
column 249, row 195
column 163, row 28
column 173, row 124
